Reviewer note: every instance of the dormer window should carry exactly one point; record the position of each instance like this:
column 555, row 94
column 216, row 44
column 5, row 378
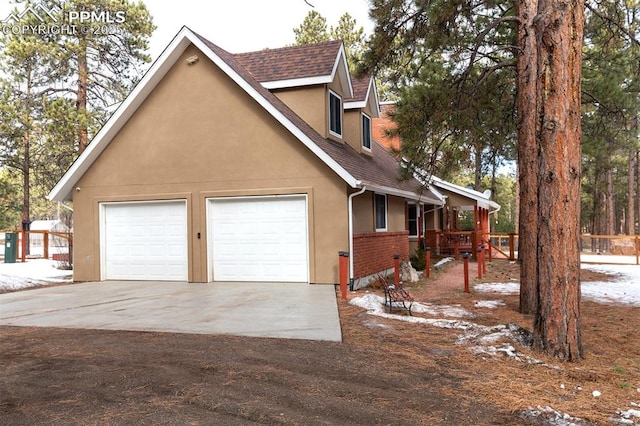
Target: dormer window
column 366, row 132
column 335, row 114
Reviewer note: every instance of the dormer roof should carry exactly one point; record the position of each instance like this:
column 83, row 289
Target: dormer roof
column 296, row 66
column 364, row 94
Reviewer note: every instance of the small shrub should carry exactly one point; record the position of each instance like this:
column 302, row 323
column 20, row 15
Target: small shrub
column 418, row 260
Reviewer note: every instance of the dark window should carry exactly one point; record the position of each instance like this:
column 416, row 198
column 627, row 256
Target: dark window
column 413, row 220
column 366, row 132
column 335, row 114
column 381, row 212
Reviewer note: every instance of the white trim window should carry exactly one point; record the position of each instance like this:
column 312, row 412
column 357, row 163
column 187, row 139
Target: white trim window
column 335, row 114
column 413, row 219
column 366, row 132
column 380, row 208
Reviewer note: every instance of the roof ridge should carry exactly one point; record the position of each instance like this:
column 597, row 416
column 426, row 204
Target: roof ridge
column 291, row 47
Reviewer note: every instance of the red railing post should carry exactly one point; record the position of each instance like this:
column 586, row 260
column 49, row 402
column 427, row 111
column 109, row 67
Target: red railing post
column 484, row 260
column 24, row 246
column 512, row 247
column 427, row 268
column 45, row 244
column 479, row 261
column 344, row 273
column 466, row 272
column 396, row 268
column 456, row 250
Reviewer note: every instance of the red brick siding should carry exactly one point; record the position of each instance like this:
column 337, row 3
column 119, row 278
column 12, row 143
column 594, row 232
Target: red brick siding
column 373, row 252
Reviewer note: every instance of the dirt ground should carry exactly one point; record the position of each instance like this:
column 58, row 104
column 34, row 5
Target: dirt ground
column 385, row 372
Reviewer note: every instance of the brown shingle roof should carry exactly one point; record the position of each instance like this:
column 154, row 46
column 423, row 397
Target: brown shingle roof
column 360, row 89
column 380, row 169
column 293, row 62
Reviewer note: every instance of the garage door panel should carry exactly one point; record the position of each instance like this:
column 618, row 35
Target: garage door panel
column 145, row 241
column 259, row 239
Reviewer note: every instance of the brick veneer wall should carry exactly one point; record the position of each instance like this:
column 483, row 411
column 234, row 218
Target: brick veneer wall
column 373, row 252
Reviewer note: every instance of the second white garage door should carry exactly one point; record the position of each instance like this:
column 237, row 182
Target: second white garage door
column 144, row 241
column 258, row 239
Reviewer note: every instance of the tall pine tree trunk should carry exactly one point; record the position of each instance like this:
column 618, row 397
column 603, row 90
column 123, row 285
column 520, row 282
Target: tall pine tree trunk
column 610, row 204
column 477, row 182
column 638, row 186
column 549, row 70
column 26, row 162
column 527, row 157
column 631, row 194
column 81, row 99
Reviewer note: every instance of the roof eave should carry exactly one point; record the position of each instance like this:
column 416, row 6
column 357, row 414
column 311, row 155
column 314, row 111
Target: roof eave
column 297, row 82
column 341, row 68
column 410, row 195
column 480, row 200
column 63, row 189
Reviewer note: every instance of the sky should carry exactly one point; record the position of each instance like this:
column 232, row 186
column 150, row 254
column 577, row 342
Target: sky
column 237, row 25
column 246, row 25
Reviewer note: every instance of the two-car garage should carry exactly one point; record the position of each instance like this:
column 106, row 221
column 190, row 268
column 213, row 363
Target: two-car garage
column 249, row 239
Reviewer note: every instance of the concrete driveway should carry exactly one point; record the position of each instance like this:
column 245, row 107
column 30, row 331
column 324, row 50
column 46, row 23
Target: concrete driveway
column 291, row 310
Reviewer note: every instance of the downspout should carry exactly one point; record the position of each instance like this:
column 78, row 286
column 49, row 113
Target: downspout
column 351, row 197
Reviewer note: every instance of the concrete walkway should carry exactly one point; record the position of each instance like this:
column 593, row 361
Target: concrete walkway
column 291, row 310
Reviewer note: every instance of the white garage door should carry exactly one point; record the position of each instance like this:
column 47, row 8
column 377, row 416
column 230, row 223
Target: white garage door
column 144, row 241
column 259, row 239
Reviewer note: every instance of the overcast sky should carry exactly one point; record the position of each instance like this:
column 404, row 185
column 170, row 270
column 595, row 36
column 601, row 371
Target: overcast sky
column 236, row 25
column 246, row 25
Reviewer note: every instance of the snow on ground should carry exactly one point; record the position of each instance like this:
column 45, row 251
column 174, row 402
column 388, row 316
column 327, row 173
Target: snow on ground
column 488, row 303
column 623, row 289
column 32, row 273
column 443, row 262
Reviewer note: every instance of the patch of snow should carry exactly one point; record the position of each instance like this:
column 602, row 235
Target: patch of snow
column 32, row 273
column 455, row 311
column 630, row 414
column 596, row 393
column 443, row 262
column 623, row 289
column 374, row 305
column 553, row 417
column 499, row 288
column 491, row 304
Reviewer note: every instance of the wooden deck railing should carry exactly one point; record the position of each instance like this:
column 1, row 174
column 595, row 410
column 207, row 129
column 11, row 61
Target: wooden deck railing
column 46, row 236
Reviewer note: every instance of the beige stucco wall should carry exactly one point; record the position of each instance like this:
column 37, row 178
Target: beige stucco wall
column 307, row 102
column 199, row 135
column 353, row 128
column 364, row 214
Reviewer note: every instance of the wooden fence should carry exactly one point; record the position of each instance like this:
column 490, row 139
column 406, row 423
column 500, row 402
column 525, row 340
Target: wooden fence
column 624, row 249
column 47, row 238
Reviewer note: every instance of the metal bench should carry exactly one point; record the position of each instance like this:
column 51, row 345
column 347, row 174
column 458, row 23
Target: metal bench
column 395, row 294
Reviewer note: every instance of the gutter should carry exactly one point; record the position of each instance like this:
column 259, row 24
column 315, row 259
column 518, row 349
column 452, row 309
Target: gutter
column 351, row 197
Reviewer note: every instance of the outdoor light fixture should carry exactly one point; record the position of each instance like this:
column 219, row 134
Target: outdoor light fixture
column 191, row 60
